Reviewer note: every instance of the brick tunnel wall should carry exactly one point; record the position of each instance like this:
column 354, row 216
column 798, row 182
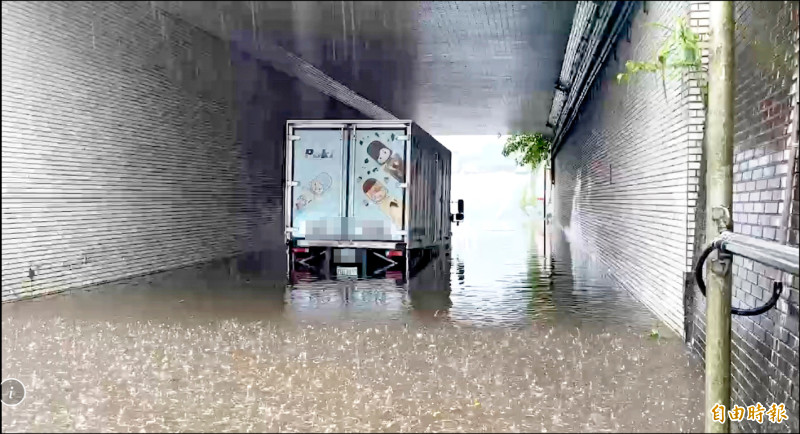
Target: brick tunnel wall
column 628, row 189
column 134, row 142
column 764, row 347
column 622, row 173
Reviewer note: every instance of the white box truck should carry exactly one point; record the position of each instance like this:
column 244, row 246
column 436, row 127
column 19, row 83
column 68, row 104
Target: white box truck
column 365, row 197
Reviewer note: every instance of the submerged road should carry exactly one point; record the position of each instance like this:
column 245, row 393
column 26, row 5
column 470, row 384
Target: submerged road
column 526, row 340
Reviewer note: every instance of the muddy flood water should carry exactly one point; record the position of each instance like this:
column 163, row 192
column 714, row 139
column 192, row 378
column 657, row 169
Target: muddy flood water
column 511, row 333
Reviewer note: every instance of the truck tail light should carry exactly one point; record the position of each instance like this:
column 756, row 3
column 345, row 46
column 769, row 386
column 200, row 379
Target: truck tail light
column 300, row 249
column 394, row 274
column 393, row 253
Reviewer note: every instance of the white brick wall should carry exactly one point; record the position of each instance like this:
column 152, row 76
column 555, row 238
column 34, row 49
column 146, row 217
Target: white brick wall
column 117, row 145
column 623, row 173
column 134, row 142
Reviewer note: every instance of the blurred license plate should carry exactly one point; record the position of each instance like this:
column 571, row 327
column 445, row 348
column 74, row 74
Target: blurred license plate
column 347, row 271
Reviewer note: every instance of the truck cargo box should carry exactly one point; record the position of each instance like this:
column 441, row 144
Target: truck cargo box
column 366, row 184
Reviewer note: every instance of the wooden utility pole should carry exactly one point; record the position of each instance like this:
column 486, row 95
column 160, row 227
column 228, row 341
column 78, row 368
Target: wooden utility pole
column 719, row 198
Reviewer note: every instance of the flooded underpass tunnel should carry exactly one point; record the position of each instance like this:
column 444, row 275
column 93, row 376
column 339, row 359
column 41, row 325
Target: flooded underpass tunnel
column 393, row 217
column 537, row 345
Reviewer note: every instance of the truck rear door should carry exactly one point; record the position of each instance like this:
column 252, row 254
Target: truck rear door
column 376, row 193
column 319, row 173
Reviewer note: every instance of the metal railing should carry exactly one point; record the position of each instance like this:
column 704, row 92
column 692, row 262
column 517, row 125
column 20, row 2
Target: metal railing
column 779, row 256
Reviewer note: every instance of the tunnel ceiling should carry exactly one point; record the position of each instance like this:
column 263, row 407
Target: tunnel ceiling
column 454, row 67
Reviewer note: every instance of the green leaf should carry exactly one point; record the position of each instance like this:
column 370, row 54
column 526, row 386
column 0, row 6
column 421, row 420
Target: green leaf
column 680, row 51
column 659, row 25
column 528, row 149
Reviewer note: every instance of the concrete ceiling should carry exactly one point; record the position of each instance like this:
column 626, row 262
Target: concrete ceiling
column 478, row 67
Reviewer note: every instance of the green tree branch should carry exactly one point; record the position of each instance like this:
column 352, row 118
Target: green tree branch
column 528, row 149
column 679, row 53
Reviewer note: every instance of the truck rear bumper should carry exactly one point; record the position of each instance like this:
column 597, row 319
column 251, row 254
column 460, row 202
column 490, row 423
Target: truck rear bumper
column 362, row 261
column 385, row 245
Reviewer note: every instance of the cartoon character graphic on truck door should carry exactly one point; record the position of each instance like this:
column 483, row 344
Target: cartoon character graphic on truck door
column 378, row 194
column 391, row 162
column 316, row 188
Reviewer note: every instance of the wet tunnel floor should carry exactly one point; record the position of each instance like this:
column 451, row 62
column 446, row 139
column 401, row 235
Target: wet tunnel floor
column 526, row 340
